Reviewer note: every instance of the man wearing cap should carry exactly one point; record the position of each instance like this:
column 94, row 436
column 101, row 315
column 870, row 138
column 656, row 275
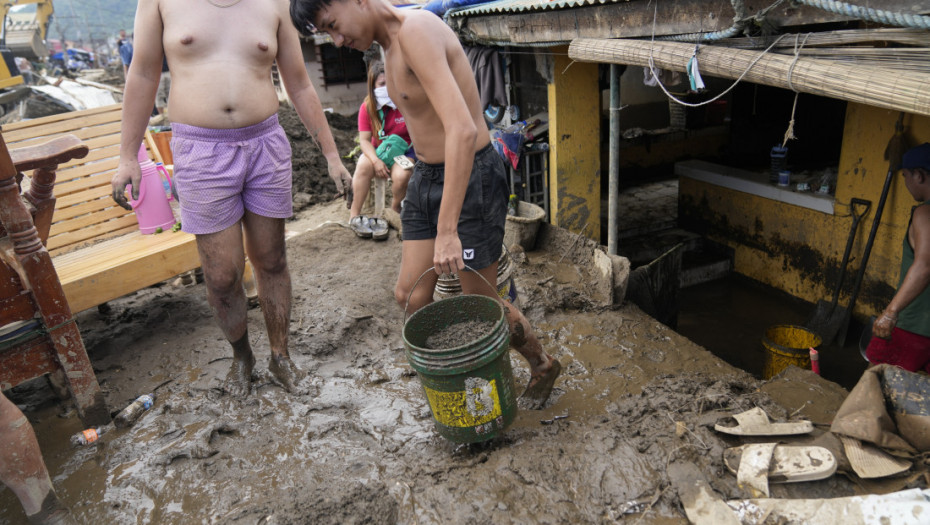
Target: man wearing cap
column 901, row 334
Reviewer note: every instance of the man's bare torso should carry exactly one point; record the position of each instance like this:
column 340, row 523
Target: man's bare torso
column 423, row 122
column 220, row 60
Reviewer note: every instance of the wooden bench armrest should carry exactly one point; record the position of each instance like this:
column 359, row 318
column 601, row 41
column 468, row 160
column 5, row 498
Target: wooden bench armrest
column 49, row 154
column 44, row 159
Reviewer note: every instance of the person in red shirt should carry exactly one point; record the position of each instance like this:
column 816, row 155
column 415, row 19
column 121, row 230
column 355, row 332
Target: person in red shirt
column 378, row 117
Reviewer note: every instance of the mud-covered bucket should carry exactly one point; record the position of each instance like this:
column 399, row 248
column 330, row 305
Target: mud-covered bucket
column 469, row 386
column 787, row 345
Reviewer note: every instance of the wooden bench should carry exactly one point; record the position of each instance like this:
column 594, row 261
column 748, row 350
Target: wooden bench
column 96, row 246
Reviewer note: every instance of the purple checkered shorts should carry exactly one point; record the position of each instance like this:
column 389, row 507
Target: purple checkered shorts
column 220, row 173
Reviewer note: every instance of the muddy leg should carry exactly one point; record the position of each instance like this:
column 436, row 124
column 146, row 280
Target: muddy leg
column 266, row 248
column 223, row 259
column 544, row 369
column 23, row 470
column 239, row 378
column 400, row 176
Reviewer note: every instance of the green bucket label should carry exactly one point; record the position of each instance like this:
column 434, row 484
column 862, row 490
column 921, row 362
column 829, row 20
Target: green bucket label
column 476, row 405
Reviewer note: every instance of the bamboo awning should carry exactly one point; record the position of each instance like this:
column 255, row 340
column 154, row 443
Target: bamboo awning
column 907, row 91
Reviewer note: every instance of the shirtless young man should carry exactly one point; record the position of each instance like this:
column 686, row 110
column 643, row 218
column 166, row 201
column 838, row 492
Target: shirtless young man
column 232, row 159
column 456, row 203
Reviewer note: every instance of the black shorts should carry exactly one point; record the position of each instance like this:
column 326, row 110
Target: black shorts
column 484, row 211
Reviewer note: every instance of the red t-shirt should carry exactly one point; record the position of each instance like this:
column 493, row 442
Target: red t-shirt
column 394, row 124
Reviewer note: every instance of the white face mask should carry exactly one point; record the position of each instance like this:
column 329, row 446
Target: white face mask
column 383, row 99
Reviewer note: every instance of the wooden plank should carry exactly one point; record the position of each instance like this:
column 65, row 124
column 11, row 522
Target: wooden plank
column 85, row 134
column 15, row 126
column 89, row 195
column 89, row 284
column 65, row 126
column 101, row 220
column 64, row 219
column 69, row 248
column 74, row 237
column 80, row 178
column 120, row 250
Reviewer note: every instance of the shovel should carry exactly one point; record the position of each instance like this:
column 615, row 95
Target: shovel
column 894, row 152
column 827, row 318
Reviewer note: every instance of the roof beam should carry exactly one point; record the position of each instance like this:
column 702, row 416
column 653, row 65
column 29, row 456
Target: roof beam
column 634, row 19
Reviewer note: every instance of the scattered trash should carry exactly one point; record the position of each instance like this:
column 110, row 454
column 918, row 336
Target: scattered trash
column 89, row 436
column 554, row 419
column 131, row 413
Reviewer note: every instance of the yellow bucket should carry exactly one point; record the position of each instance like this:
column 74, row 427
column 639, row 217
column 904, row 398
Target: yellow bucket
column 785, row 345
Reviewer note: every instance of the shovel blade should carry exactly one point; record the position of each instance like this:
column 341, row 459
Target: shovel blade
column 827, row 321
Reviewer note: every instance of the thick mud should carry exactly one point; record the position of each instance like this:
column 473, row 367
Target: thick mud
column 356, row 443
column 630, row 419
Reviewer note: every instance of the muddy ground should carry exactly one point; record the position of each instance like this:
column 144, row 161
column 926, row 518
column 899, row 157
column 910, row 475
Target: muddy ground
column 357, row 445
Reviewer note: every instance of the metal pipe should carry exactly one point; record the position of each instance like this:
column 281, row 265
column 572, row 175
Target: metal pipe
column 613, row 187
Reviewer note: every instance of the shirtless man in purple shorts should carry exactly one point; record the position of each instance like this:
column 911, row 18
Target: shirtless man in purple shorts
column 456, row 203
column 232, row 159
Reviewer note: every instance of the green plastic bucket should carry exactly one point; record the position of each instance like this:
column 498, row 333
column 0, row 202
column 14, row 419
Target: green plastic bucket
column 469, row 387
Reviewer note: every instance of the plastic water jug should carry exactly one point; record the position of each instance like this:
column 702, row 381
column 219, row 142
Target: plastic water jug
column 152, row 208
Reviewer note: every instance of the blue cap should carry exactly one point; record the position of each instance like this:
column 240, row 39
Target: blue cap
column 917, row 157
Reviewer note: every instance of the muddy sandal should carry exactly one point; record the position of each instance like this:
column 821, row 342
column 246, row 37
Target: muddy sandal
column 756, row 422
column 759, row 464
column 379, row 228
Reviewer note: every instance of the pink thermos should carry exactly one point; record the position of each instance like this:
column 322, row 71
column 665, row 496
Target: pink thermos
column 152, row 208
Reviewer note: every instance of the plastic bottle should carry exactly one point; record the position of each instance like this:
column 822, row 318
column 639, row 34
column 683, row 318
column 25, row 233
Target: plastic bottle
column 131, row 413
column 512, row 204
column 89, row 436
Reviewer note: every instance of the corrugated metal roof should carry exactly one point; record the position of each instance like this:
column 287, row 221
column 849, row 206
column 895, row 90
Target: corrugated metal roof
column 519, row 6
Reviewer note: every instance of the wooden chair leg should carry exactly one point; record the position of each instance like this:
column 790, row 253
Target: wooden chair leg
column 79, row 374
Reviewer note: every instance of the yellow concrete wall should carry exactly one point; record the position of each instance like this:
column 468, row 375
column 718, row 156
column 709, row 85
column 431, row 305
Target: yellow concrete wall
column 574, row 146
column 799, row 250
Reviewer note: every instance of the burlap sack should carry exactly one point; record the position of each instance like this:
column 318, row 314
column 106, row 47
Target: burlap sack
column 864, row 416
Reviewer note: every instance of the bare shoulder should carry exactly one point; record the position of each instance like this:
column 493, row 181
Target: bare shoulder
column 420, row 24
column 922, row 213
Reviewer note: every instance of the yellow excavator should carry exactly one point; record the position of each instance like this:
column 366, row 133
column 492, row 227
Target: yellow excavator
column 22, row 35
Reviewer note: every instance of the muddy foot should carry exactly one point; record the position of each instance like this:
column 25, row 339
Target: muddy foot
column 285, row 372
column 239, row 378
column 539, row 387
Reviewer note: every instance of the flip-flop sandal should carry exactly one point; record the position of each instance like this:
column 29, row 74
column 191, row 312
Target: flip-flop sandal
column 379, row 228
column 540, row 390
column 759, row 464
column 756, row 422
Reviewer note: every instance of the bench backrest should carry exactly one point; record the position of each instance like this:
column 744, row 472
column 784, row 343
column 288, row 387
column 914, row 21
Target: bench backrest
column 85, row 212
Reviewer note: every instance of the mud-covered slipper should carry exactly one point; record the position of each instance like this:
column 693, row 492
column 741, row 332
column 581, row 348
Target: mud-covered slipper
column 755, row 422
column 359, row 224
column 539, row 391
column 379, row 228
column 758, row 464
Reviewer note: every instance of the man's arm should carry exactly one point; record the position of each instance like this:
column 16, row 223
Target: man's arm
column 917, row 277
column 306, row 101
column 138, row 98
column 424, row 42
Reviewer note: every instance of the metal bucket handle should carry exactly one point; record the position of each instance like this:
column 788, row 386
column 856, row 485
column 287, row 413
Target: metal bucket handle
column 431, row 268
